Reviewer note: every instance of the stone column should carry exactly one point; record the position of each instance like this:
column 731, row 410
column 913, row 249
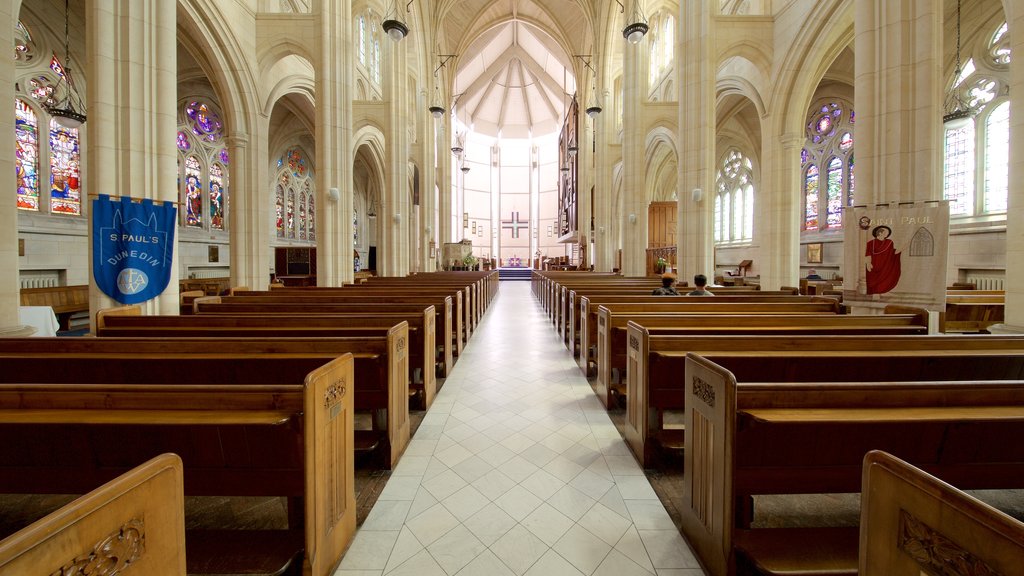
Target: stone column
column 395, row 213
column 695, row 70
column 777, row 226
column 1015, row 208
column 444, row 183
column 249, row 222
column 10, row 325
column 585, row 181
column 428, row 182
column 131, row 72
column 601, row 165
column 634, row 201
column 898, row 86
column 334, row 143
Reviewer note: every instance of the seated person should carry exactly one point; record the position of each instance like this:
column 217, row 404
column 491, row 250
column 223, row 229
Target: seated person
column 812, row 274
column 667, row 288
column 701, row 282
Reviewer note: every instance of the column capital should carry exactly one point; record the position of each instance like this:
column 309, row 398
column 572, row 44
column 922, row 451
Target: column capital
column 791, row 141
column 237, row 140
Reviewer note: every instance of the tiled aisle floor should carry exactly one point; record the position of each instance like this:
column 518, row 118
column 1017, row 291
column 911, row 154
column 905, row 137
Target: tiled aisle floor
column 516, row 469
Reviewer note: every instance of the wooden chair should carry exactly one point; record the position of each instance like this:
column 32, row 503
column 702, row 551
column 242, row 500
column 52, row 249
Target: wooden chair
column 913, row 523
column 134, row 524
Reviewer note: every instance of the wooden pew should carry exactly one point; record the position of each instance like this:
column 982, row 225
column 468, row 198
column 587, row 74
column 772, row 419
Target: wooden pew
column 380, row 369
column 66, row 301
column 655, row 360
column 252, row 429
column 972, row 313
column 124, row 321
column 586, row 316
column 912, row 523
column 186, row 300
column 302, row 303
column 458, row 297
column 789, row 438
column 613, row 355
column 136, row 520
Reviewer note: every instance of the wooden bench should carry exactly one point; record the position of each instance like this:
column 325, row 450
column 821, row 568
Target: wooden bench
column 302, row 303
column 588, row 306
column 66, row 301
column 972, row 313
column 913, row 523
column 459, row 298
column 127, row 321
column 186, row 300
column 655, row 360
column 380, row 369
column 784, row 437
column 612, row 356
column 241, row 428
column 136, row 520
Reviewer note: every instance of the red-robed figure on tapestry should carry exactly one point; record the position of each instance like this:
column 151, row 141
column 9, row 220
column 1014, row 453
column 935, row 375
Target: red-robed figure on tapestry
column 882, row 261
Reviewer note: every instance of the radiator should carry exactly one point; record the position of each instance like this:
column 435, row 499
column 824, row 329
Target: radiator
column 987, row 282
column 201, row 273
column 38, row 281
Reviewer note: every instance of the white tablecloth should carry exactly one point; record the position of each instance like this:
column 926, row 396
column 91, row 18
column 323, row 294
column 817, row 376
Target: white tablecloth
column 41, row 317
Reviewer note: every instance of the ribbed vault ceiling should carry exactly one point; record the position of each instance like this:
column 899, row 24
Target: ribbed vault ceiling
column 514, row 79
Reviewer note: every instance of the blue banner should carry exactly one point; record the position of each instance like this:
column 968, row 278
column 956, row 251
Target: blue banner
column 132, row 247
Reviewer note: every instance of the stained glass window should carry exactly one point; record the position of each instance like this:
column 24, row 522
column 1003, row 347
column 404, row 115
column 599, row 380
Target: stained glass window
column 296, row 162
column 183, row 142
column 24, row 47
column 376, row 61
column 65, row 171
column 279, row 206
column 311, row 213
column 290, row 213
column 997, row 158
column 206, row 123
column 205, row 182
column 193, row 192
column 811, row 198
column 56, row 66
column 26, row 155
column 829, row 148
column 976, row 156
column 958, row 168
column 849, row 194
column 217, row 187
column 999, row 47
column 294, row 196
column 734, row 199
column 834, row 193
column 41, row 89
column 362, row 40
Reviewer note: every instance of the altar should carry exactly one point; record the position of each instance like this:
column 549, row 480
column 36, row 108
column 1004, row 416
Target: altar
column 514, row 262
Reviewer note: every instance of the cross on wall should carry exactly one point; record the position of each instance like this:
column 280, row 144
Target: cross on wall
column 515, row 224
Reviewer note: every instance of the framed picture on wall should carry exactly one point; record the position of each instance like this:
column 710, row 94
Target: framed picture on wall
column 213, row 254
column 814, row 253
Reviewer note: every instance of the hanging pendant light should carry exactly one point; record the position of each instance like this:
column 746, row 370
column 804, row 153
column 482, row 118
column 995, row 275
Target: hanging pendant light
column 69, row 110
column 393, row 25
column 436, row 109
column 636, row 25
column 958, row 113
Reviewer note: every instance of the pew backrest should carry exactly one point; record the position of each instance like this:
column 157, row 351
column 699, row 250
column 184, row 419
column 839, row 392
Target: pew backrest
column 913, row 523
column 135, row 521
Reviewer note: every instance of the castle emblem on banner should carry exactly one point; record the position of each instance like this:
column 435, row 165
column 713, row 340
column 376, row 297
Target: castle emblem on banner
column 133, row 247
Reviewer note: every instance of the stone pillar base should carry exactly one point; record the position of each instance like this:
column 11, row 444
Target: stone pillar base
column 17, row 331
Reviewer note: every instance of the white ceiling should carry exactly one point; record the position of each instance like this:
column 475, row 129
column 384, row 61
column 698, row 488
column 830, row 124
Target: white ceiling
column 511, row 85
